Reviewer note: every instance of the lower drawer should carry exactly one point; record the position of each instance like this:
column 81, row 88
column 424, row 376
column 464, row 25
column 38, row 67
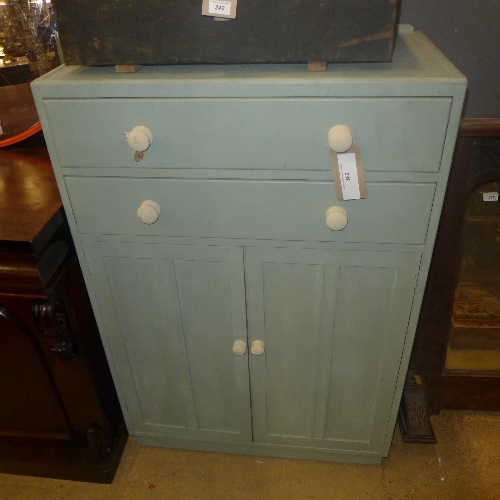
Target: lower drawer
column 288, row 210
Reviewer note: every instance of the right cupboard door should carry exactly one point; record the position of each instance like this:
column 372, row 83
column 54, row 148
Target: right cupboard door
column 334, row 325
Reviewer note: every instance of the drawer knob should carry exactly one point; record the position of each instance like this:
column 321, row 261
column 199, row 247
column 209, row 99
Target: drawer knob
column 239, row 347
column 336, row 218
column 340, row 138
column 148, row 212
column 257, row 348
column 139, row 138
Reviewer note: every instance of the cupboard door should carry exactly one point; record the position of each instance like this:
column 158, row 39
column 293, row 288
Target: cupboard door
column 333, row 325
column 171, row 314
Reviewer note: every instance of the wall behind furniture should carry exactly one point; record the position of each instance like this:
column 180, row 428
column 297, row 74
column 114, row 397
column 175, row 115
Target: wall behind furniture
column 468, row 33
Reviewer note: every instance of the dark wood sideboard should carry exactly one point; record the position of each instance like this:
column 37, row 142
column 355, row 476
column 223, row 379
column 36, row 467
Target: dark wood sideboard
column 59, row 412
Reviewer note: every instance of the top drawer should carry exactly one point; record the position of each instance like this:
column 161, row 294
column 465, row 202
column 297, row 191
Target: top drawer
column 395, row 134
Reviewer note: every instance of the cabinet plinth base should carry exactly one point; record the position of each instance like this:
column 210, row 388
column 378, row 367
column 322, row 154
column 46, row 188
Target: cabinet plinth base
column 264, row 450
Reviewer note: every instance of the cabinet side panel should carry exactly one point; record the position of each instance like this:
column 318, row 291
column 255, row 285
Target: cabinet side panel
column 361, row 325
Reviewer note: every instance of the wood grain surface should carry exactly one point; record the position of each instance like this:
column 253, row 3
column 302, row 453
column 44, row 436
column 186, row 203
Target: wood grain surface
column 29, row 198
column 105, row 32
column 17, row 109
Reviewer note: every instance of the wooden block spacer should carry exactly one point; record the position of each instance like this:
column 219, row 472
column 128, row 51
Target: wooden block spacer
column 317, row 66
column 127, row 68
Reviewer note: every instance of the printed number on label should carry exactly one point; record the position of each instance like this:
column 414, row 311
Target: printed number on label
column 349, row 176
column 490, row 196
column 219, row 7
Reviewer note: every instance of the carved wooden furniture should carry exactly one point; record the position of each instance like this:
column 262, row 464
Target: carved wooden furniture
column 234, row 318
column 59, row 414
column 456, row 357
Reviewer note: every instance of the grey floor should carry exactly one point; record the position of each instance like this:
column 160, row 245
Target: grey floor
column 465, row 464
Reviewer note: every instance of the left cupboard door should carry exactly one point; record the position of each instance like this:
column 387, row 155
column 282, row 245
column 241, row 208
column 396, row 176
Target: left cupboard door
column 171, row 314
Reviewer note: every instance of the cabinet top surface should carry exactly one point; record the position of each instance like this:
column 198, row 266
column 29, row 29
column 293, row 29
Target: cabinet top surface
column 416, row 61
column 29, row 199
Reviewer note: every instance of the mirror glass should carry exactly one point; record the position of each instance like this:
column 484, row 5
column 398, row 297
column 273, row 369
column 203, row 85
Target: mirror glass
column 28, row 49
column 474, row 342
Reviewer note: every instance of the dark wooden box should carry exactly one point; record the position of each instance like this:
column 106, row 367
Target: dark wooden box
column 107, row 32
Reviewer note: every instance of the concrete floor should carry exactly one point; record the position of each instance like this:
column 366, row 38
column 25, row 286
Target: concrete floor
column 465, row 464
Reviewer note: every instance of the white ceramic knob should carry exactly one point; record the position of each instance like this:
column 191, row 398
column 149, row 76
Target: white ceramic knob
column 148, row 212
column 257, row 347
column 239, row 347
column 139, row 138
column 336, row 218
column 340, row 138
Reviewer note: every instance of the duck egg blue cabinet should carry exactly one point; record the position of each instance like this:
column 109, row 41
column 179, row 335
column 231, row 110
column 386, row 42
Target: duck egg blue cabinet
column 233, row 318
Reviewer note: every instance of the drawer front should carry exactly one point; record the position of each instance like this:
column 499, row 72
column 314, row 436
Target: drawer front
column 395, row 134
column 264, row 210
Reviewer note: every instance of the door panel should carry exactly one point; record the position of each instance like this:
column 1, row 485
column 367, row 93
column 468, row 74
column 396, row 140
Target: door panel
column 172, row 314
column 291, row 293
column 334, row 324
column 362, row 321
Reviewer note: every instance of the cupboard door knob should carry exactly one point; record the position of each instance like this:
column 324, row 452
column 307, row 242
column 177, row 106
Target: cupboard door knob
column 139, row 138
column 239, row 347
column 148, row 212
column 257, row 348
column 336, row 218
column 340, row 138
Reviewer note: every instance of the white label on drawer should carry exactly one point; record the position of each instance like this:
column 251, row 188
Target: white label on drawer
column 219, row 8
column 490, row 196
column 349, row 176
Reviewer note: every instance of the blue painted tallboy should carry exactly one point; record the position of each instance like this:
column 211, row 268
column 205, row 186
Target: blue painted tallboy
column 233, row 318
